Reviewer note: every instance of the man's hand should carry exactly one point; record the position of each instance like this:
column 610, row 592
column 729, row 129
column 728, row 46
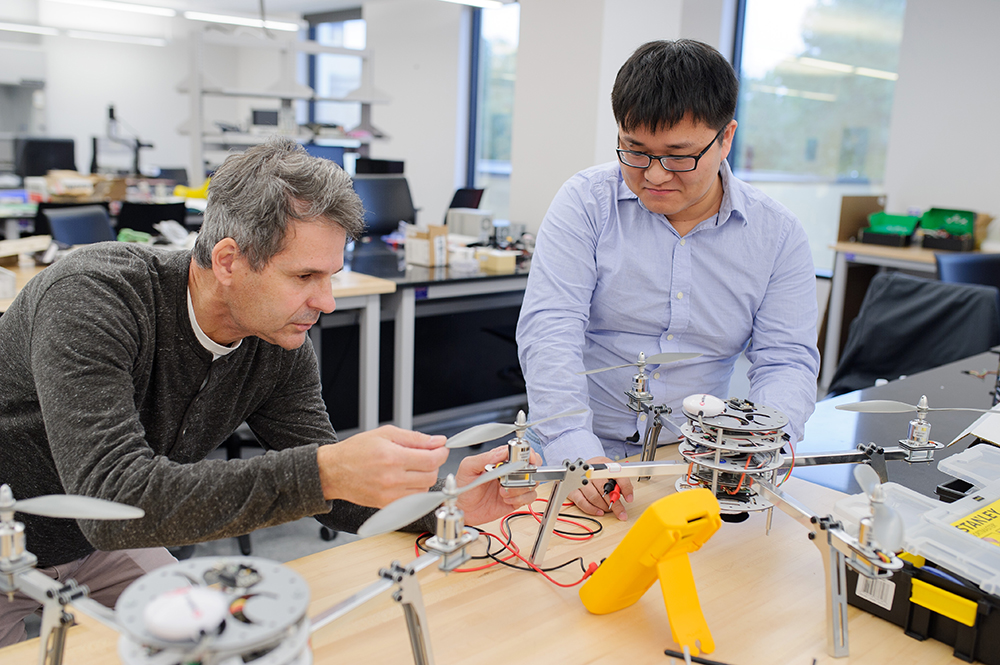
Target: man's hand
column 490, row 501
column 591, row 500
column 375, row 468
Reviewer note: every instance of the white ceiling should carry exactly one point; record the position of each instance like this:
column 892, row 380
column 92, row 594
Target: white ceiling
column 272, row 6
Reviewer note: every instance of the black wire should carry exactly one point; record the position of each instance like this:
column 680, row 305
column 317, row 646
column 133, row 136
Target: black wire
column 422, row 538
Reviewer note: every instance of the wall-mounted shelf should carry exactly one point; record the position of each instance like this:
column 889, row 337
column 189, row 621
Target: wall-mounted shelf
column 205, row 143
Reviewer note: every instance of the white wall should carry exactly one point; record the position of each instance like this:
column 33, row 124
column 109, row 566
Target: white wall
column 946, row 102
column 416, row 46
column 562, row 98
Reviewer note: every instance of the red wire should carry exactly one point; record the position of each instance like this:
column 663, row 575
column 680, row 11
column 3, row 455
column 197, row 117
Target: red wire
column 590, row 569
column 792, row 466
column 514, row 550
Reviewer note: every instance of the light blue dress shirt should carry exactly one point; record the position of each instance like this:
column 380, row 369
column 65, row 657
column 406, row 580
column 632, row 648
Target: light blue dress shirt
column 610, row 279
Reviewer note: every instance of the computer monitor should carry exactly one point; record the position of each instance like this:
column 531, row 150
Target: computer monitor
column 387, row 201
column 36, row 156
column 334, row 153
column 264, row 118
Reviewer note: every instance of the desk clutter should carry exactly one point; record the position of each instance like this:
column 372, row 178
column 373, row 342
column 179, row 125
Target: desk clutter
column 937, row 228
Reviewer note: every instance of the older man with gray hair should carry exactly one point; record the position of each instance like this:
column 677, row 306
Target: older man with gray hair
column 122, row 367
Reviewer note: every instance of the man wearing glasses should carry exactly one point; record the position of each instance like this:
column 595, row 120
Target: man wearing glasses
column 664, row 250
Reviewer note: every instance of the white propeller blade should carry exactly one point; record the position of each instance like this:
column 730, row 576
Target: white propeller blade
column 489, row 431
column 657, row 359
column 77, row 508
column 887, row 525
column 892, row 406
column 402, row 511
column 479, row 434
column 878, row 406
column 867, row 478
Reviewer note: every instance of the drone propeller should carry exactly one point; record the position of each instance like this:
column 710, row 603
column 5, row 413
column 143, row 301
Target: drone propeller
column 69, row 506
column 489, row 431
column 658, row 359
column 892, row 406
column 887, row 525
column 402, row 511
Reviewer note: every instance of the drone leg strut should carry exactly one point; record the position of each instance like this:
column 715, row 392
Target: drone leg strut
column 574, row 479
column 836, row 600
column 409, row 596
column 649, row 442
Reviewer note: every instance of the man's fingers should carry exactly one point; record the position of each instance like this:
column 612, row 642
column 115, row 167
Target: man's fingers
column 619, row 510
column 626, row 487
column 519, row 498
column 592, row 505
column 411, row 439
column 420, row 460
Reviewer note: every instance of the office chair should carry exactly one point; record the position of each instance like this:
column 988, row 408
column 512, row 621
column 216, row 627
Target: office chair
column 969, row 268
column 41, row 221
column 909, row 324
column 142, row 216
column 465, row 197
column 387, row 202
column 80, row 225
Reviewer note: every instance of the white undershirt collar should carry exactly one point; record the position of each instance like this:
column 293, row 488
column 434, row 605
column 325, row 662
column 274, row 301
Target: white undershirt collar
column 215, row 348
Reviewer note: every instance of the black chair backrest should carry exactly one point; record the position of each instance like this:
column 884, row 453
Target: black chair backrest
column 142, row 216
column 80, row 225
column 387, row 202
column 909, row 324
column 41, row 223
column 466, row 198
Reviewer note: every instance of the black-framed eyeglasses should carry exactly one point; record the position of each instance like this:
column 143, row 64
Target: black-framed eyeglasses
column 674, row 163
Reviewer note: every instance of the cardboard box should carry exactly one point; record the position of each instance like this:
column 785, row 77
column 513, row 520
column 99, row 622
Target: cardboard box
column 427, row 248
column 497, row 260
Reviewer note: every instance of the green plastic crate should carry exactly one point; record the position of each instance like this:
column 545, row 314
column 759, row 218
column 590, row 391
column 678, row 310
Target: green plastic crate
column 952, row 222
column 900, row 225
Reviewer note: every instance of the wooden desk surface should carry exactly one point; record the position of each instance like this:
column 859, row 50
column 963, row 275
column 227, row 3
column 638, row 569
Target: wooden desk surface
column 763, row 598
column 345, row 284
column 913, row 253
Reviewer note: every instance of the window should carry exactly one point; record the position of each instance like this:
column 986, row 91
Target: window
column 492, row 110
column 816, row 86
column 334, row 75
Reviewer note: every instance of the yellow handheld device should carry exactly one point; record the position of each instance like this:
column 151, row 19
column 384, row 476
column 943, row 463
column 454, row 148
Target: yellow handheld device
column 657, row 547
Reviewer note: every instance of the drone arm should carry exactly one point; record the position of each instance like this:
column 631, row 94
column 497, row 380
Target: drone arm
column 373, row 590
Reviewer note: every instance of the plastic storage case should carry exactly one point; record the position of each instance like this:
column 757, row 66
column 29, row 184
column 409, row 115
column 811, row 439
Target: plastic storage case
column 953, row 593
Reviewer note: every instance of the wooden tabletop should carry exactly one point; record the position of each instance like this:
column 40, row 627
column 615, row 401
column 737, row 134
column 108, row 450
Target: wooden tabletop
column 914, row 253
column 347, row 284
column 762, row 595
column 22, row 273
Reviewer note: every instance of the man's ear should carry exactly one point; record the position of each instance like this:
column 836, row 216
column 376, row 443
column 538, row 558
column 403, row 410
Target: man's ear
column 225, row 256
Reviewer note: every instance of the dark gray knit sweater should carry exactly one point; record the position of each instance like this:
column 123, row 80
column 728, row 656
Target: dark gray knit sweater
column 101, row 394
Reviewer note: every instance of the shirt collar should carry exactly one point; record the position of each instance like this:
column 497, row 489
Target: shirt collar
column 734, row 202
column 216, row 349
